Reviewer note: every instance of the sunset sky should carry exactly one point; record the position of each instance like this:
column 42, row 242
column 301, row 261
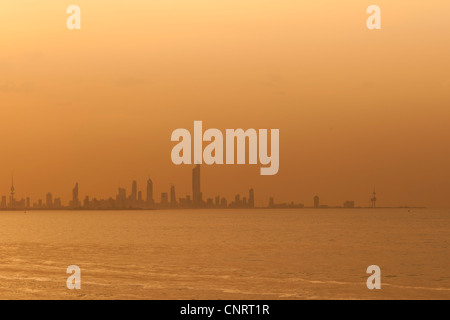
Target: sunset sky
column 356, row 108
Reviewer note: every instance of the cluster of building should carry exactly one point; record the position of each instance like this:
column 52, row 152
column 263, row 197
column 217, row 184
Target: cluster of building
column 272, row 204
column 137, row 200
column 134, row 200
column 13, row 203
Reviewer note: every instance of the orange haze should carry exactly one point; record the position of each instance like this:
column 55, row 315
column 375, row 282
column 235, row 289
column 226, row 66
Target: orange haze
column 356, row 108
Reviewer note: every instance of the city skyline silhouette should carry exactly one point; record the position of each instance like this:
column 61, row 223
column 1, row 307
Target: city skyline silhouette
column 348, row 113
column 136, row 199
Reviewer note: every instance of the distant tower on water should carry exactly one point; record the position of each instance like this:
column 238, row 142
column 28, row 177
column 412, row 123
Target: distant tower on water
column 173, row 198
column 373, row 200
column 11, row 198
column 149, row 192
column 316, row 202
column 251, row 198
column 133, row 195
column 75, row 203
column 196, row 193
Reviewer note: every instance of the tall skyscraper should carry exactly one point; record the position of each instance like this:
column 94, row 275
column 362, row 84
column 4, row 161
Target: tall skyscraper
column 11, row 197
column 49, row 200
column 251, row 198
column 196, row 193
column 217, row 201
column 149, row 192
column 75, row 203
column 316, row 202
column 173, row 199
column 133, row 195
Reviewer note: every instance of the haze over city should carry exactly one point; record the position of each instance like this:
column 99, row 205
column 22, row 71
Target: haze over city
column 356, row 109
column 144, row 198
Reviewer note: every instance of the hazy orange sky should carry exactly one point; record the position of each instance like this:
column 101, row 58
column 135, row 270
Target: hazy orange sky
column 356, row 108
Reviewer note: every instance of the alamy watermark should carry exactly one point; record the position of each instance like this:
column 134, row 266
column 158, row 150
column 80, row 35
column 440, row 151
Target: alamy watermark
column 235, row 139
column 374, row 20
column 374, row 281
column 74, row 20
column 74, row 280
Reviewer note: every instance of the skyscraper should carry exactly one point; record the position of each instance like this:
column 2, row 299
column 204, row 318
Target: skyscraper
column 237, row 200
column 133, row 195
column 173, row 199
column 196, row 193
column 11, row 197
column 251, row 198
column 75, row 203
column 149, row 192
column 316, row 202
column 217, row 201
column 49, row 201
